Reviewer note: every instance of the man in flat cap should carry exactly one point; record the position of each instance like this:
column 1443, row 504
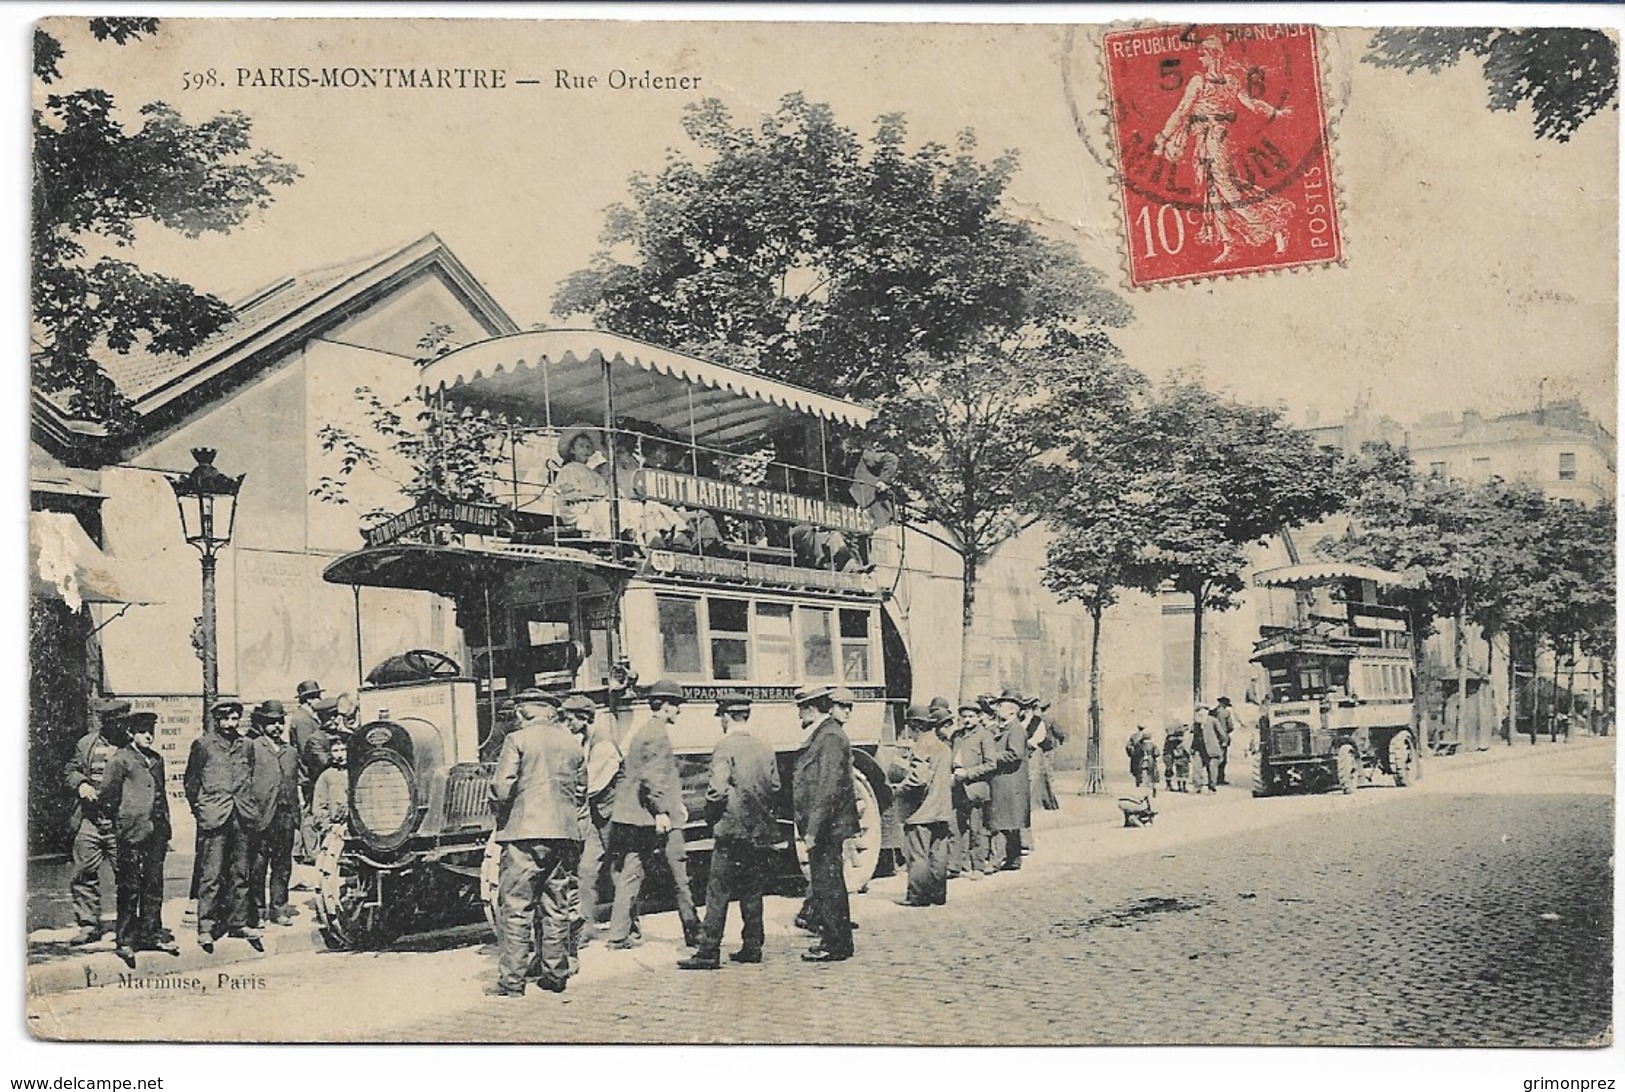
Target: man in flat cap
column 924, row 779
column 827, row 813
column 594, row 878
column 1010, row 806
column 132, row 793
column 218, row 781
column 276, row 802
column 739, row 804
column 648, row 807
column 536, row 793
column 93, row 839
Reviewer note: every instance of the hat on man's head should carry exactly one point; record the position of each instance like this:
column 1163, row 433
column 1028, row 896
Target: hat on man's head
column 268, row 711
column 567, row 439
column 327, row 707
column 809, row 694
column 665, row 690
column 144, row 720
column 1010, row 693
column 110, row 709
column 1224, row 701
column 733, row 702
column 533, row 695
column 310, row 688
column 226, row 706
column 917, row 714
column 940, row 710
column 971, row 705
column 579, row 703
column 842, row 696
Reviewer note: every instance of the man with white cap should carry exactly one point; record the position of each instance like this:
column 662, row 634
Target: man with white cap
column 537, row 792
column 827, row 813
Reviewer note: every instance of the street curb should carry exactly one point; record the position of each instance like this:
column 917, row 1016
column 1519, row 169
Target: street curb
column 102, row 968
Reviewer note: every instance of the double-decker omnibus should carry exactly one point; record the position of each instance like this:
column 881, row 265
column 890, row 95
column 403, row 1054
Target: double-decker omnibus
column 1339, row 702
column 655, row 516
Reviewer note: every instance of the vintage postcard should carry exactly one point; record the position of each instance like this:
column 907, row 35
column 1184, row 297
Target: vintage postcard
column 795, row 533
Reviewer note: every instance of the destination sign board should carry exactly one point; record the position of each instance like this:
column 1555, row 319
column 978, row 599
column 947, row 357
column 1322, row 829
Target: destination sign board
column 756, row 572
column 463, row 515
column 689, row 491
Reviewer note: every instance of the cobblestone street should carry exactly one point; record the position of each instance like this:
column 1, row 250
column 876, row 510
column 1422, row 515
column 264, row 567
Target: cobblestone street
column 1474, row 909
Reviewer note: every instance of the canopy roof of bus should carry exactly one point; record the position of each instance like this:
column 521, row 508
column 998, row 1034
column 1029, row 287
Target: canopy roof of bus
column 1326, row 572
column 556, row 377
column 455, row 571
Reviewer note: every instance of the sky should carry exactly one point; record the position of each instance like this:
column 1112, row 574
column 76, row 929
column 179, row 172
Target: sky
column 1479, row 260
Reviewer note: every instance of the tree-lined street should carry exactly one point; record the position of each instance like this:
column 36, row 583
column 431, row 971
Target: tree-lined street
column 1472, row 909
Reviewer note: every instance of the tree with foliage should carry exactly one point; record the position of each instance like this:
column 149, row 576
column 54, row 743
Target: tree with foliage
column 1566, row 74
column 95, row 182
column 798, row 250
column 441, row 452
column 1104, row 514
column 1236, row 475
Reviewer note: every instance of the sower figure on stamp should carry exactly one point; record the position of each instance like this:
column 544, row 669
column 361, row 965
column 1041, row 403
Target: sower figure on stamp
column 646, row 800
column 537, row 793
column 93, row 837
column 739, row 804
column 276, row 794
column 132, row 793
column 218, row 781
column 924, row 779
column 827, row 813
column 975, row 763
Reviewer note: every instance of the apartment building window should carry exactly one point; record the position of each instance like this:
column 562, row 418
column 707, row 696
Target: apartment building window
column 1565, row 466
column 1436, row 470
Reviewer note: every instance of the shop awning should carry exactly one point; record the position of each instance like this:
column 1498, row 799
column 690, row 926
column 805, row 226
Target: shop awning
column 556, row 377
column 1305, row 576
column 64, row 564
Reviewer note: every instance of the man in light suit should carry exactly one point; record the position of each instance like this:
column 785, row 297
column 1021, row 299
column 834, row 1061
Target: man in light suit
column 537, row 793
column 827, row 813
column 648, row 807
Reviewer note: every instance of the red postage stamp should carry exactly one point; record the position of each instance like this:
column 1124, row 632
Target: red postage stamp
column 1222, row 150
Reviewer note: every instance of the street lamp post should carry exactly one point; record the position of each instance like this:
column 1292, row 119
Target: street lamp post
column 207, row 500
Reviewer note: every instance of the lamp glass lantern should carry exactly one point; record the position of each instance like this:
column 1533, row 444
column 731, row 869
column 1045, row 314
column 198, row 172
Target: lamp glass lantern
column 207, row 499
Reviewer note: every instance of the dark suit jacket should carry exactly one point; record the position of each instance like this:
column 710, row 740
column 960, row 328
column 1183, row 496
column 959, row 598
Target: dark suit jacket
column 540, row 784
column 826, row 808
column 1011, row 807
column 275, row 784
column 132, row 791
column 974, row 753
column 744, row 784
column 87, row 765
column 218, row 779
column 925, row 780
column 649, row 783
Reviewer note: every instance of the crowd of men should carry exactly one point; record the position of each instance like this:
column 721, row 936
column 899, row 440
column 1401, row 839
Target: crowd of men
column 257, row 799
column 574, row 811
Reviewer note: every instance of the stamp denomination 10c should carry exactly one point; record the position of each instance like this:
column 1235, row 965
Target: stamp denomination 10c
column 1223, row 159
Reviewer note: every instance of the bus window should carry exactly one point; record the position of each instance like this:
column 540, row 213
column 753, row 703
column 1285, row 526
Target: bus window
column 817, row 649
column 775, row 644
column 730, row 638
column 679, row 635
column 855, row 645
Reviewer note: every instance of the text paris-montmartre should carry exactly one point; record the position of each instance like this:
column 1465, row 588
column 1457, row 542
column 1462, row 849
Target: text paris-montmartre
column 377, row 76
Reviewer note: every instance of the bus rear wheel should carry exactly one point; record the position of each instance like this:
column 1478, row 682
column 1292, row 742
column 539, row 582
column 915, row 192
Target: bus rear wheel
column 862, row 855
column 1401, row 759
column 1348, row 768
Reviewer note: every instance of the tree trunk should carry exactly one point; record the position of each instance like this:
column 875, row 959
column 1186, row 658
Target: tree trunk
column 967, row 613
column 1461, row 679
column 1196, row 647
column 1095, row 768
column 1574, row 655
column 1534, row 684
column 1605, row 705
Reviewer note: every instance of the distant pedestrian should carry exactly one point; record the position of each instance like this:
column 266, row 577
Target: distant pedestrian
column 94, row 841
column 276, row 792
column 1176, row 759
column 133, row 794
column 537, row 792
column 827, row 813
column 647, row 800
column 218, row 783
column 1142, row 759
column 1227, row 730
column 975, row 761
column 739, row 803
column 1011, row 804
column 1207, row 745
column 924, row 795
